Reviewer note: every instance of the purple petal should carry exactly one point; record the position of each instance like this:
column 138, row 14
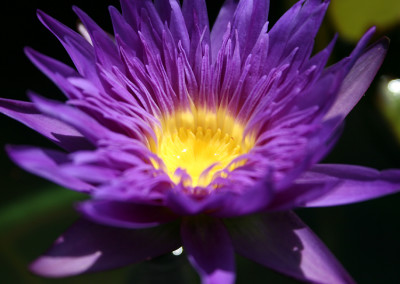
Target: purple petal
column 356, row 184
column 358, row 79
column 185, row 204
column 60, row 133
column 209, row 249
column 196, row 18
column 250, row 201
column 249, row 18
column 58, row 72
column 88, row 247
column 126, row 215
column 105, row 49
column 85, row 124
column 78, row 48
column 302, row 191
column 219, row 28
column 46, row 163
column 281, row 241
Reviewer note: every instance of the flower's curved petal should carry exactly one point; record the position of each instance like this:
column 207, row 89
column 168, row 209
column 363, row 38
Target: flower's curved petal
column 178, row 27
column 89, row 247
column 60, row 133
column 56, row 71
column 209, row 249
column 356, row 184
column 281, row 241
column 297, row 28
column 106, row 52
column 358, row 79
column 223, row 202
column 78, row 48
column 252, row 200
column 249, row 19
column 125, row 33
column 220, row 26
column 134, row 11
column 46, row 163
column 84, row 123
column 186, row 204
column 300, row 192
column 125, row 214
column 196, row 19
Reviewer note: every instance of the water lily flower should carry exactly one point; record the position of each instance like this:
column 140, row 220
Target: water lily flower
column 205, row 138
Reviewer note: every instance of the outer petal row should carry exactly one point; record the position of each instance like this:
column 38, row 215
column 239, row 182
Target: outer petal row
column 281, row 241
column 88, row 247
column 356, row 184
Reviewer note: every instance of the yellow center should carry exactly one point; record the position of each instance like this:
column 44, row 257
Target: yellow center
column 202, row 143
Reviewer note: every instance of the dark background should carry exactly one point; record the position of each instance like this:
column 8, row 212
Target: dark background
column 33, row 212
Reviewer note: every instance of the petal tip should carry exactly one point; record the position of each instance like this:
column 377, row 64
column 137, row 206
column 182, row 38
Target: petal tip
column 59, row 266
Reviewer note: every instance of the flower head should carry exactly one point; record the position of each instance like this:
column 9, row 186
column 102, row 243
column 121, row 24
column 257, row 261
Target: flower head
column 200, row 137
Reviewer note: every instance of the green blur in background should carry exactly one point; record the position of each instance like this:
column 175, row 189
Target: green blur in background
column 365, row 237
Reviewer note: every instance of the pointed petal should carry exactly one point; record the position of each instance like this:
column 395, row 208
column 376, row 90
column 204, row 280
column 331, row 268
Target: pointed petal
column 356, row 184
column 196, row 18
column 177, row 26
column 46, row 163
column 126, row 215
column 302, row 191
column 209, row 249
column 220, row 26
column 60, row 133
column 281, row 241
column 88, row 247
column 358, row 79
column 84, row 123
column 78, row 48
column 252, row 200
column 249, row 18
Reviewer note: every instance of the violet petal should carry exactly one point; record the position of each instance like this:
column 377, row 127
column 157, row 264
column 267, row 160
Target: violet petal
column 126, row 215
column 57, row 131
column 356, row 184
column 209, row 249
column 46, row 163
column 281, row 241
column 358, row 79
column 88, row 247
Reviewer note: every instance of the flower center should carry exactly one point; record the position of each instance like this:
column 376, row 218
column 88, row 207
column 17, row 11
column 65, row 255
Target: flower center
column 197, row 146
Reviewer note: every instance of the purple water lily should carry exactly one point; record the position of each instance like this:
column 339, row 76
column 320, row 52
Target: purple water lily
column 204, row 138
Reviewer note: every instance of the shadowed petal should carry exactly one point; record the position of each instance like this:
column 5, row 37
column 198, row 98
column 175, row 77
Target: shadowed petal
column 185, row 204
column 358, row 79
column 78, row 48
column 281, row 241
column 356, row 184
column 88, row 247
column 46, row 163
column 126, row 215
column 220, row 26
column 300, row 192
column 60, row 133
column 209, row 249
column 249, row 18
column 84, row 123
column 196, row 18
column 252, row 200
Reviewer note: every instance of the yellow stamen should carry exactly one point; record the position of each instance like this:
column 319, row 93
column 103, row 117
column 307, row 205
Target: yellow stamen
column 201, row 142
